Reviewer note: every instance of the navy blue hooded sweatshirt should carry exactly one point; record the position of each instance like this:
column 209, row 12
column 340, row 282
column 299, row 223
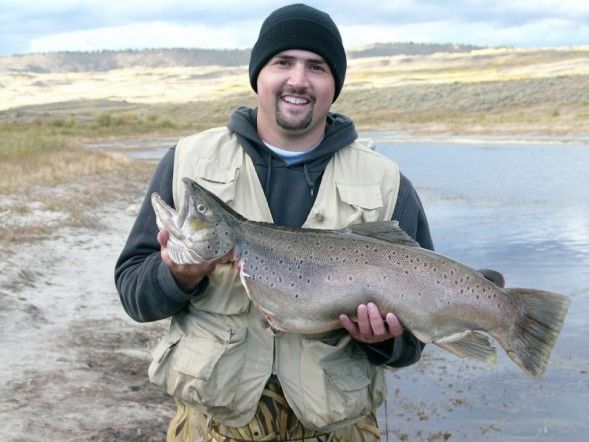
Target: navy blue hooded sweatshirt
column 145, row 284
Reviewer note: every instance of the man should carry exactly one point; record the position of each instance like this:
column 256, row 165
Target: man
column 292, row 162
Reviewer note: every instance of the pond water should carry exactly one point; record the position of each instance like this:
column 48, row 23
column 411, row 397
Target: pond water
column 522, row 209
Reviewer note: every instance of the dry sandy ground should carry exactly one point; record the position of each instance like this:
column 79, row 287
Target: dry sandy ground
column 73, row 365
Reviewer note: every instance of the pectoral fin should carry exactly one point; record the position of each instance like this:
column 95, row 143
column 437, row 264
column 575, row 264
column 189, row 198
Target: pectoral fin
column 471, row 345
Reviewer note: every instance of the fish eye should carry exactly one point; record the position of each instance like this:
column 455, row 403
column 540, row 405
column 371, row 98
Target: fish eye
column 201, row 208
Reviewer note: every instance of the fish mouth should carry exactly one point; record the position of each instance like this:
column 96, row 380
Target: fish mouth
column 182, row 248
column 166, row 217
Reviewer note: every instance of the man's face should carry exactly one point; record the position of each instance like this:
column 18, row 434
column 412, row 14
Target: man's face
column 295, row 92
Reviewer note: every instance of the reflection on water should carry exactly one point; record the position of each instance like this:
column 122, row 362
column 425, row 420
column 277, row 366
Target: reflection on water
column 523, row 210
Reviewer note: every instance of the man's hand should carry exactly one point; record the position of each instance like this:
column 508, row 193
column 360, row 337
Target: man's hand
column 187, row 276
column 371, row 327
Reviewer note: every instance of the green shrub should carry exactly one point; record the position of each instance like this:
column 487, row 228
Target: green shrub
column 104, row 120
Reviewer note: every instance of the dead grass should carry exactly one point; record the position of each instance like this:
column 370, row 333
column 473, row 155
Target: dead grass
column 53, row 167
column 49, row 181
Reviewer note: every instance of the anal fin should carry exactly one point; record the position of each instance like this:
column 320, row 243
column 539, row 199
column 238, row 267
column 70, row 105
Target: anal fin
column 471, row 345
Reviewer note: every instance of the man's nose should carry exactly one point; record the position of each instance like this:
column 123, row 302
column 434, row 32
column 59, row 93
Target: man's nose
column 298, row 75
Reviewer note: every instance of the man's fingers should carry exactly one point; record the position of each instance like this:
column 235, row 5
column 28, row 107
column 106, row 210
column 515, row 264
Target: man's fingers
column 395, row 327
column 349, row 325
column 364, row 320
column 377, row 324
column 162, row 237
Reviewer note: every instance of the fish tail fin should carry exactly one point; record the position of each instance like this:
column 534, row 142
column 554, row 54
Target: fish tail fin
column 531, row 341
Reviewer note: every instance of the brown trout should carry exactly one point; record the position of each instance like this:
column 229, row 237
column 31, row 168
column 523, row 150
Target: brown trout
column 303, row 279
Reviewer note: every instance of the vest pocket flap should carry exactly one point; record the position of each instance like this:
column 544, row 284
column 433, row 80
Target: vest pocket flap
column 161, row 347
column 365, row 196
column 197, row 356
column 215, row 172
column 348, row 377
column 338, row 363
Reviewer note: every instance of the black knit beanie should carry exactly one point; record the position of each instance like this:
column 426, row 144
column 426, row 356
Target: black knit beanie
column 299, row 27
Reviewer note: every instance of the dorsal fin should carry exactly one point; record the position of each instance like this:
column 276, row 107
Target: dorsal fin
column 384, row 230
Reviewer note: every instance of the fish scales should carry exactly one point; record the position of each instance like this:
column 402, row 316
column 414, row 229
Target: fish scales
column 315, row 276
column 301, row 280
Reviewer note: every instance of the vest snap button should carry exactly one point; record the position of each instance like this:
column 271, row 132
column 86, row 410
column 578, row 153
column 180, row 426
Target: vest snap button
column 319, row 217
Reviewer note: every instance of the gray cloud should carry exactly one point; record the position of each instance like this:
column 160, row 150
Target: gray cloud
column 27, row 23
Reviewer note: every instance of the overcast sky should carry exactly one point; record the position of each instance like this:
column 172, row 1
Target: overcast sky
column 58, row 25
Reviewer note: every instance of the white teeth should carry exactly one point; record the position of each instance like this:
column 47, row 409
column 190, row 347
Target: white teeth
column 295, row 100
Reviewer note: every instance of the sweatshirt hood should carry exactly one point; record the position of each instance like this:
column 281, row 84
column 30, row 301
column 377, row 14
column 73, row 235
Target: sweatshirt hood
column 340, row 132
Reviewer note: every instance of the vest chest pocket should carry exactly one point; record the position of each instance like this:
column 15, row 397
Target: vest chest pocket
column 364, row 202
column 217, row 178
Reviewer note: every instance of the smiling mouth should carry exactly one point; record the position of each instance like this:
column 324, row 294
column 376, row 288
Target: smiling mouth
column 296, row 100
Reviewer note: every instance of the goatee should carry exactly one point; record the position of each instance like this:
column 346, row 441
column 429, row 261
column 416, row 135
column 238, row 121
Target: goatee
column 284, row 122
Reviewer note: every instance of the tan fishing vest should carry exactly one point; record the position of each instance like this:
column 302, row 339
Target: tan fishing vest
column 219, row 353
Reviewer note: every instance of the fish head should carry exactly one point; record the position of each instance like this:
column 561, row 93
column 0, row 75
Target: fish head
column 199, row 232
